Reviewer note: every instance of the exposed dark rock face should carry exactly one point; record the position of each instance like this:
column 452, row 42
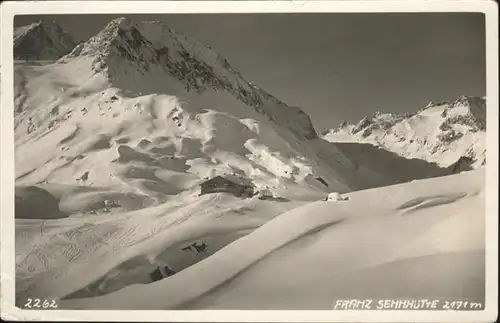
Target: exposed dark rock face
column 44, row 40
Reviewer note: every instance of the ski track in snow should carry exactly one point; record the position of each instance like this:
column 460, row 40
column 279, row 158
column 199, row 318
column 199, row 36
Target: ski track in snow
column 305, row 225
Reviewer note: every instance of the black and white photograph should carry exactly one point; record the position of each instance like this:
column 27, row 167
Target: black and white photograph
column 278, row 161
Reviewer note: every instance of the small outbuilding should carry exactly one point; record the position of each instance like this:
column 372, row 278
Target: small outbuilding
column 334, row 196
column 224, row 184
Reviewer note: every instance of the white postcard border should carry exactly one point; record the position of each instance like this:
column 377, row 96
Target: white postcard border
column 10, row 9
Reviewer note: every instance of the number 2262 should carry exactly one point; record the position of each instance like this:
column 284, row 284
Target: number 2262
column 40, row 303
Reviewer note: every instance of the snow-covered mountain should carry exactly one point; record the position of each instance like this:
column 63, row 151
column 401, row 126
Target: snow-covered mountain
column 114, row 140
column 442, row 132
column 141, row 89
column 158, row 117
column 42, row 40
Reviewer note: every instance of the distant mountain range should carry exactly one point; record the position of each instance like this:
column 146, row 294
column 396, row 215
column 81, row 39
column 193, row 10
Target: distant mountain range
column 442, row 132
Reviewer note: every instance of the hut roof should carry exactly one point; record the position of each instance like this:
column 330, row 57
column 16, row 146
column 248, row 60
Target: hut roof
column 230, row 178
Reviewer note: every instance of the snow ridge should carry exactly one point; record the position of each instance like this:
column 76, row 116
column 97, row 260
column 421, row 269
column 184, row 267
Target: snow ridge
column 124, row 44
column 42, row 40
column 442, row 132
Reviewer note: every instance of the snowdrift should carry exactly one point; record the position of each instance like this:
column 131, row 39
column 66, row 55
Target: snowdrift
column 393, row 242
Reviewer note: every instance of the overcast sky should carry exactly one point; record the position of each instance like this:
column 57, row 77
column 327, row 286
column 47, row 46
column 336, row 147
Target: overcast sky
column 336, row 66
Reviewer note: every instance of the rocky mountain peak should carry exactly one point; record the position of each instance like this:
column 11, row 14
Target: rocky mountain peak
column 467, row 111
column 42, row 40
column 124, row 45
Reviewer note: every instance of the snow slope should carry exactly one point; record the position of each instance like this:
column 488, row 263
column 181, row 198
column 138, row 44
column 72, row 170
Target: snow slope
column 96, row 254
column 101, row 130
column 442, row 132
column 423, row 239
column 42, row 40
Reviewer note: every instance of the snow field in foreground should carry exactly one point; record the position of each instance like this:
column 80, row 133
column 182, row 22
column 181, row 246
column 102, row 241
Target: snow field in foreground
column 396, row 241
